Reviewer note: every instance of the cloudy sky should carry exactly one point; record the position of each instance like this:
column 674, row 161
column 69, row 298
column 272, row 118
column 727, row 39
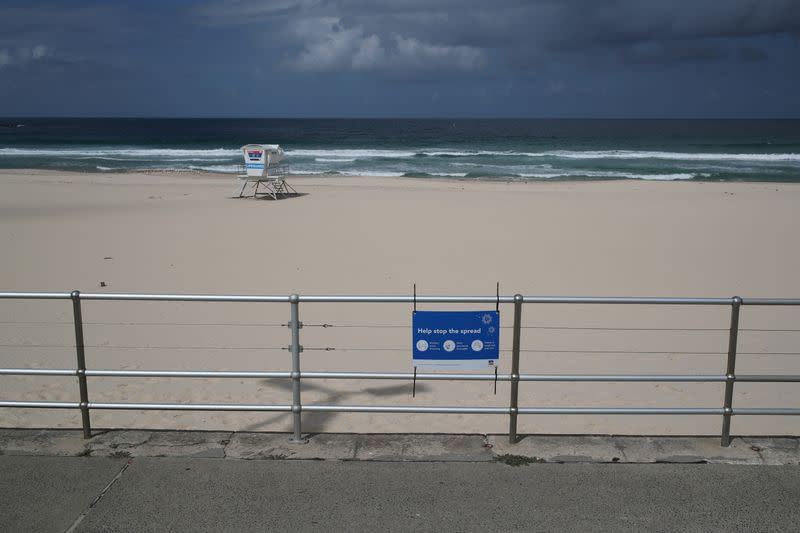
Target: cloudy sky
column 401, row 58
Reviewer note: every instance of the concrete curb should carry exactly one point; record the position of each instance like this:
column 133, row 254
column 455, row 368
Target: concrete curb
column 402, row 447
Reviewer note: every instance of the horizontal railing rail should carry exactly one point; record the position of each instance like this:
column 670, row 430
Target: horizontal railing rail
column 296, row 407
column 642, row 300
column 402, row 376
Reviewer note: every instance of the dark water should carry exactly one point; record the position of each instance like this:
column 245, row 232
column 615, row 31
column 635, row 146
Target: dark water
column 529, row 149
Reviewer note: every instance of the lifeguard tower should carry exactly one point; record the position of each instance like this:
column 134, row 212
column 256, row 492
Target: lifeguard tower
column 263, row 171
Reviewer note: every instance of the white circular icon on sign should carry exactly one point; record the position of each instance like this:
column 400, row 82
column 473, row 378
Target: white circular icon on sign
column 422, row 345
column 477, row 345
column 449, row 346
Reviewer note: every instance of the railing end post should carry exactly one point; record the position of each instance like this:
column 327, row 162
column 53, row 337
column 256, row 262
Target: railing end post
column 85, row 421
column 730, row 371
column 513, row 407
column 513, row 437
column 83, row 388
column 725, row 441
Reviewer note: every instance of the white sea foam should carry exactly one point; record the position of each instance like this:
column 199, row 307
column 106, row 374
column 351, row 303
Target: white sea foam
column 300, row 172
column 351, row 153
column 346, row 173
column 451, row 174
column 376, row 173
column 678, row 156
column 222, row 169
column 599, row 174
column 664, row 177
column 114, row 153
column 456, row 153
column 354, row 153
column 437, row 174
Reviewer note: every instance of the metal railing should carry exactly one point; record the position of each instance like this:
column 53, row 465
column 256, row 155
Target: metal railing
column 726, row 410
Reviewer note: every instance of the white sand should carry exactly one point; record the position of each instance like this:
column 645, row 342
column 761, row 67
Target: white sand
column 182, row 234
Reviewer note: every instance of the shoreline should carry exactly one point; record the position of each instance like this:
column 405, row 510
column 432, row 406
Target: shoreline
column 431, row 178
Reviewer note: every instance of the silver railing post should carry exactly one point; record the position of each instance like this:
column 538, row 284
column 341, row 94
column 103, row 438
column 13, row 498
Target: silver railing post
column 81, row 354
column 513, row 408
column 730, row 372
column 295, row 348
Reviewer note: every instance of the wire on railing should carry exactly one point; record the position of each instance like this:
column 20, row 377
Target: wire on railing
column 380, row 349
column 390, row 326
column 120, row 347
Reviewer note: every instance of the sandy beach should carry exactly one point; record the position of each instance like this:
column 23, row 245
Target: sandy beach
column 182, row 233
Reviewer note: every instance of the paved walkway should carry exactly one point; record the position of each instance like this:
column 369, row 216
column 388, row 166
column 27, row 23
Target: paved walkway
column 223, row 481
column 82, row 494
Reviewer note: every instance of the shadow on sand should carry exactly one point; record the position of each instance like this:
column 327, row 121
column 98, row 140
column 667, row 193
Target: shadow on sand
column 315, row 422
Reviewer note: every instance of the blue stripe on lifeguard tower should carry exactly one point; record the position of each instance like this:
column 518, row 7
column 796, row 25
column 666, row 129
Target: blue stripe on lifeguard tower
column 255, row 165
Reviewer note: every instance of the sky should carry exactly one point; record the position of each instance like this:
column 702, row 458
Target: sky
column 401, row 58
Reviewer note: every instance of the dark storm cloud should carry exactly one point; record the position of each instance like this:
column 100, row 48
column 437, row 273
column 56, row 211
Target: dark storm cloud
column 426, row 37
column 750, row 54
column 93, row 39
column 348, row 33
column 425, row 57
column 672, row 52
column 39, row 64
column 579, row 24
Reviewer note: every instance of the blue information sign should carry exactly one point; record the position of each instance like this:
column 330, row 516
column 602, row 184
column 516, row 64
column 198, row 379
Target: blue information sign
column 456, row 340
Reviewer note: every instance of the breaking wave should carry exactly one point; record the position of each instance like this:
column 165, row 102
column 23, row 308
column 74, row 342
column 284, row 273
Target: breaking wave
column 122, row 154
column 673, row 156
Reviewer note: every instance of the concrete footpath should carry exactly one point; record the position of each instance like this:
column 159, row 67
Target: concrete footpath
column 198, row 481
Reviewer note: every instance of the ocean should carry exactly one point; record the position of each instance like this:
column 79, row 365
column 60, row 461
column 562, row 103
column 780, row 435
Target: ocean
column 517, row 149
